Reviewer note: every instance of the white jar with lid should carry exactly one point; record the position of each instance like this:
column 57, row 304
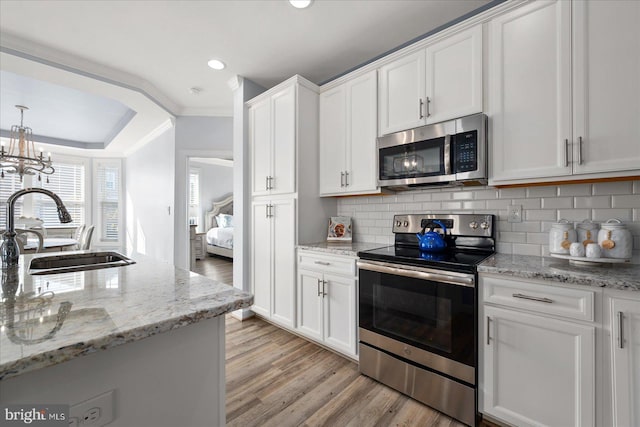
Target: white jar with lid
column 561, row 236
column 587, row 232
column 615, row 239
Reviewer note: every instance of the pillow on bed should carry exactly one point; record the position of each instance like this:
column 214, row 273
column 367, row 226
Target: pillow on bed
column 224, row 220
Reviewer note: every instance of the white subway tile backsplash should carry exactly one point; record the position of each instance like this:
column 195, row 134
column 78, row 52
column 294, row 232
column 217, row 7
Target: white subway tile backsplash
column 628, row 201
column 551, row 191
column 605, row 214
column 602, row 202
column 575, row 190
column 557, row 202
column 542, row 206
column 606, row 188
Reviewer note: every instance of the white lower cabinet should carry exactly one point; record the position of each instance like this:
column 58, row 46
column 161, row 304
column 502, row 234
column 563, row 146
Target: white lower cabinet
column 622, row 322
column 537, row 354
column 327, row 302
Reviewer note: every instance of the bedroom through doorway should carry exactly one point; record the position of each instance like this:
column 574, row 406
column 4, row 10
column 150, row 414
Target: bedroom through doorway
column 210, row 217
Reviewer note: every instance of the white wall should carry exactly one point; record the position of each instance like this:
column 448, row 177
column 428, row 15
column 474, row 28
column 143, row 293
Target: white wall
column 216, row 182
column 195, row 137
column 149, row 189
column 541, row 206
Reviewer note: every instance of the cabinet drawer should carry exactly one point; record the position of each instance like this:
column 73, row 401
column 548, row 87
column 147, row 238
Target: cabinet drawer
column 327, row 263
column 534, row 296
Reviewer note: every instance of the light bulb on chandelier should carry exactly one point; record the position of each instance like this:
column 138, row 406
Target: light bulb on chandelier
column 21, row 157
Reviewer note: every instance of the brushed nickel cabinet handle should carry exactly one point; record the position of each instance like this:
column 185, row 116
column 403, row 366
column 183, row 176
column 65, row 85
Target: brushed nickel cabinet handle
column 420, row 107
column 566, row 152
column 488, row 330
column 428, row 102
column 341, row 179
column 539, row 299
column 322, row 262
column 346, row 179
column 324, row 291
column 579, row 150
column 620, row 329
column 266, row 182
column 319, row 287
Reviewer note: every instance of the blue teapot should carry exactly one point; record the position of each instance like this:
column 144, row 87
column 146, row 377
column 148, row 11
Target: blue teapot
column 432, row 241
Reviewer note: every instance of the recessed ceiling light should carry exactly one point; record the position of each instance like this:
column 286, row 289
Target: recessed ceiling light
column 300, row 4
column 216, row 64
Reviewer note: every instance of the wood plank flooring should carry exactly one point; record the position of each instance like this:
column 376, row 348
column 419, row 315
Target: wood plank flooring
column 275, row 378
column 215, row 267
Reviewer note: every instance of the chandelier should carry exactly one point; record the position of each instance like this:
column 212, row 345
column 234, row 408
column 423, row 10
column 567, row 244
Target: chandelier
column 21, row 157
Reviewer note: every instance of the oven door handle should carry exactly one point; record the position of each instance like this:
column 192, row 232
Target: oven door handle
column 435, row 276
column 447, row 154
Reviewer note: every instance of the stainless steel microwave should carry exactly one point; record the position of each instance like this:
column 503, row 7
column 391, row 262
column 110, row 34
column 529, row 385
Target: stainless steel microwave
column 443, row 153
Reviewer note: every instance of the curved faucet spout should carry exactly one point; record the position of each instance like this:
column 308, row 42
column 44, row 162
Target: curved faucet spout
column 9, row 251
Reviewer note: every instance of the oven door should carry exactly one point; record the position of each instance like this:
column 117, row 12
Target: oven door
column 417, row 156
column 423, row 309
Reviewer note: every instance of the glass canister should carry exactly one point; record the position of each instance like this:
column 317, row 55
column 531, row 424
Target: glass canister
column 587, row 232
column 561, row 235
column 615, row 239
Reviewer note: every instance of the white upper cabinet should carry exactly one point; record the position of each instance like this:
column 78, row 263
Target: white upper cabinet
column 348, row 137
column 606, row 86
column 530, row 91
column 454, row 76
column 273, row 143
column 564, row 92
column 441, row 82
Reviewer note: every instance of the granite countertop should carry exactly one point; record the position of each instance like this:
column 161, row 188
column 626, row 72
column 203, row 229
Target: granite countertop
column 57, row 317
column 340, row 248
column 617, row 276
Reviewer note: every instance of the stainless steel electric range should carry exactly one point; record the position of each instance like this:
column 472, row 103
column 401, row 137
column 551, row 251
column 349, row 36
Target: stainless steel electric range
column 418, row 312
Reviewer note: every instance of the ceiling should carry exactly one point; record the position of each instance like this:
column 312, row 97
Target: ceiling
column 159, row 50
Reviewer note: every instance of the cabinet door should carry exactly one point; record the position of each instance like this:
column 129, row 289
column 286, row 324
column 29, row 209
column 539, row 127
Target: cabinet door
column 283, row 157
column 402, row 93
column 261, row 258
column 333, row 140
column 260, row 137
column 606, row 86
column 361, row 125
column 625, row 343
column 340, row 313
column 454, row 76
column 530, row 92
column 310, row 304
column 538, row 370
column 284, row 258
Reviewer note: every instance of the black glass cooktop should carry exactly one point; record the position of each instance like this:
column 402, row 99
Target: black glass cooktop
column 452, row 259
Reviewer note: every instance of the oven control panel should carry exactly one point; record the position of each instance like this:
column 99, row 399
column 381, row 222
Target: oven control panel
column 457, row 225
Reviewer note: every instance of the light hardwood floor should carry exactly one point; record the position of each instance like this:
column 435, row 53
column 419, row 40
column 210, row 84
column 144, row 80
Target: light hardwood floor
column 215, row 267
column 275, row 378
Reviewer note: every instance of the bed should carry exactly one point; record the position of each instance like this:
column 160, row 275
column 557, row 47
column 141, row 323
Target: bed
column 219, row 226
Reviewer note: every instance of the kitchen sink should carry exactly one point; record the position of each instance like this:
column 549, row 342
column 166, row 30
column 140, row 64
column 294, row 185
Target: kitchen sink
column 77, row 261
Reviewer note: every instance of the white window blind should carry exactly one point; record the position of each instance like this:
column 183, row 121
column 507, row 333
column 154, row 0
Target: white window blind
column 9, row 185
column 108, row 199
column 194, row 189
column 68, row 182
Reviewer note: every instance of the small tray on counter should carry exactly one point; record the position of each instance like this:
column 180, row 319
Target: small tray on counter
column 583, row 260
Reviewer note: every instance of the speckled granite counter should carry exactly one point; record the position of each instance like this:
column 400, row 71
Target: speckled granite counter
column 339, row 248
column 618, row 276
column 57, row 317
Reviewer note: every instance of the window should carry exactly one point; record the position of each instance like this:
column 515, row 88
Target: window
column 68, row 182
column 9, row 185
column 108, row 208
column 194, row 196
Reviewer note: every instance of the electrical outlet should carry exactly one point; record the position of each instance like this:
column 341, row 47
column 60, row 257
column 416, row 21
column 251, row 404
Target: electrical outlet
column 514, row 213
column 74, row 422
column 97, row 411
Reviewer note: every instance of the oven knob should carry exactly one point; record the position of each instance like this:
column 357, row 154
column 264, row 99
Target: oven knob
column 398, row 223
column 406, row 223
column 406, row 351
column 473, row 225
column 484, row 225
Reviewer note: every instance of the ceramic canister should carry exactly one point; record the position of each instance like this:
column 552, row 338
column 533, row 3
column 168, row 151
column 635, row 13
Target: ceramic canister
column 615, row 239
column 587, row 232
column 561, row 235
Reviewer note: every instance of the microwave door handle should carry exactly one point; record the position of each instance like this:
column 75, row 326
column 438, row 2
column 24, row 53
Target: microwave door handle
column 447, row 154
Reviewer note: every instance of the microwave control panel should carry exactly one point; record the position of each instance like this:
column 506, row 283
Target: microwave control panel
column 466, row 151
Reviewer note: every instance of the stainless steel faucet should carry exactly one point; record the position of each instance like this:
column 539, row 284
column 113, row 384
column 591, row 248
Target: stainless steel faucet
column 10, row 251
